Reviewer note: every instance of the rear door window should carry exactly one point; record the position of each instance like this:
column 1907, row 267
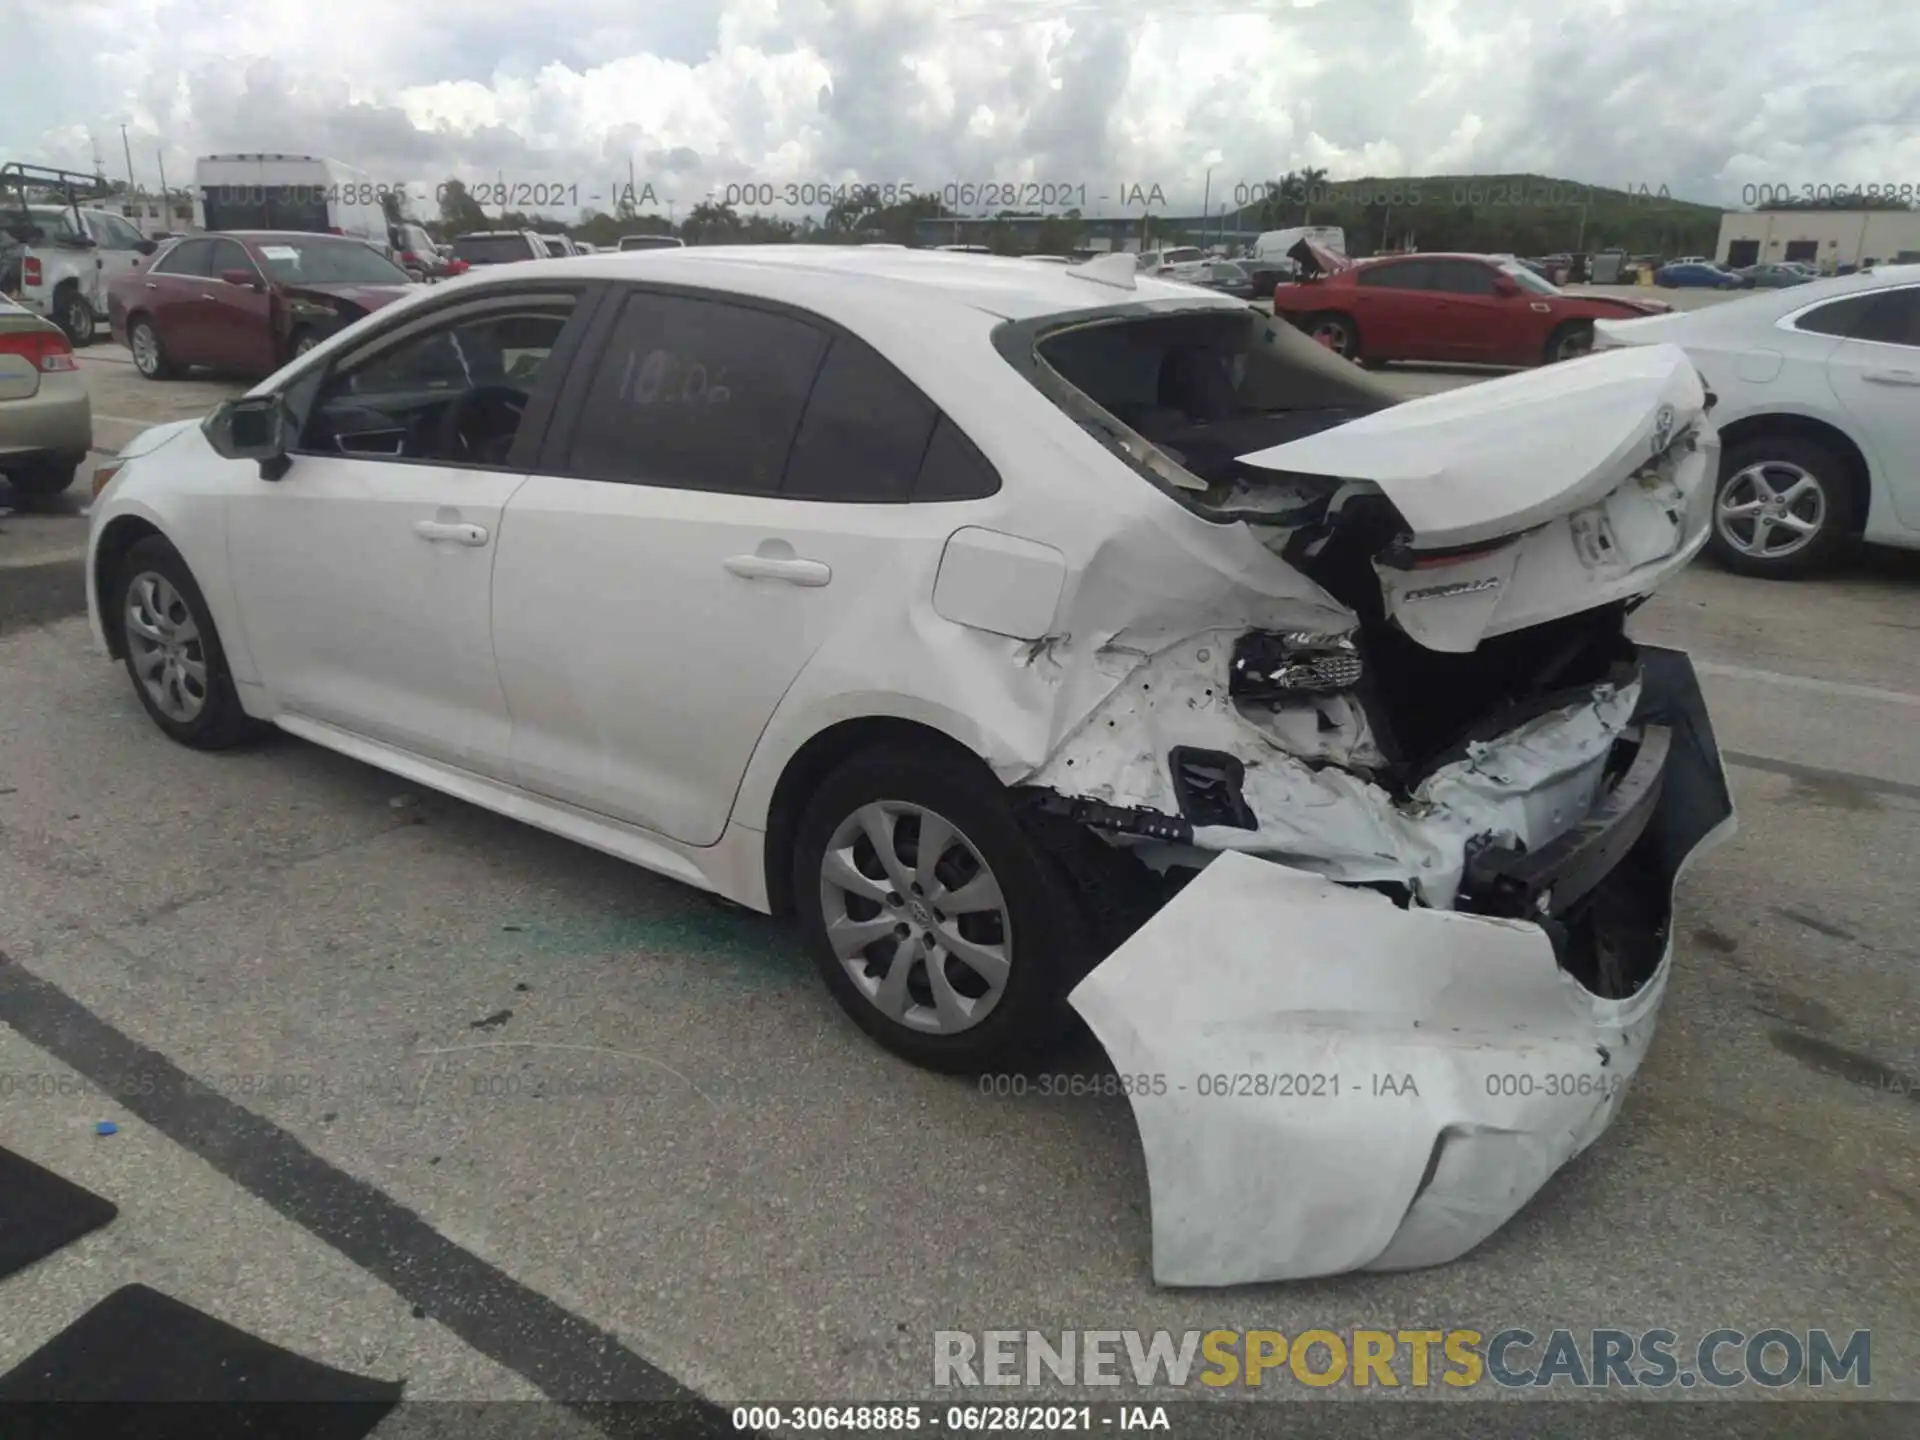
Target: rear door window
column 864, row 433
column 1460, row 277
column 189, row 257
column 1399, row 275
column 696, row 394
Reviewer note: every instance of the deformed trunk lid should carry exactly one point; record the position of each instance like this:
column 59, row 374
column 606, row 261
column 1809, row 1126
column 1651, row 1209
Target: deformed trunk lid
column 1497, row 458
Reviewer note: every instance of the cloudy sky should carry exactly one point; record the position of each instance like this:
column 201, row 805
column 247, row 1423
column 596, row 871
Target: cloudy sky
column 700, row 93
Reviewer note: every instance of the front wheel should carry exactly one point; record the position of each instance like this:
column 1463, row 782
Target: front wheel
column 1569, row 341
column 304, row 340
column 1783, row 508
column 937, row 923
column 173, row 651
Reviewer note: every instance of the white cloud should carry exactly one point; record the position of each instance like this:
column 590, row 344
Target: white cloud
column 1094, row 92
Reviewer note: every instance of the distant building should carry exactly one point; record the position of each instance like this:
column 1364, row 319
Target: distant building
column 1827, row 238
column 151, row 215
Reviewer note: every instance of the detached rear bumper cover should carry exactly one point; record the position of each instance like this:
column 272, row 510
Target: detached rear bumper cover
column 1325, row 1082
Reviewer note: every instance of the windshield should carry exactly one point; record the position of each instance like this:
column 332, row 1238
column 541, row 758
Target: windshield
column 1529, row 281
column 300, row 261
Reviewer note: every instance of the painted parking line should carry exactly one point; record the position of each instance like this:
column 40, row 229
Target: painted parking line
column 565, row 1356
column 1807, row 683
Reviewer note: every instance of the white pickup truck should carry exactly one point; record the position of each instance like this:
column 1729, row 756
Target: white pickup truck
column 57, row 255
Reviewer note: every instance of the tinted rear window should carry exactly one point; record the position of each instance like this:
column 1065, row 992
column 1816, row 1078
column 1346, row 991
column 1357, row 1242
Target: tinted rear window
column 648, row 242
column 492, row 249
column 865, row 431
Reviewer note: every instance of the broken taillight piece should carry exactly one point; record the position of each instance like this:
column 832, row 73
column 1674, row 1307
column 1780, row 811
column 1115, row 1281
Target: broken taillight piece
column 1275, row 665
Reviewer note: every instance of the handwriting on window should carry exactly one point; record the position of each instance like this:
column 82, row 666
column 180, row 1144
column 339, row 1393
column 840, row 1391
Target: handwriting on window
column 664, row 377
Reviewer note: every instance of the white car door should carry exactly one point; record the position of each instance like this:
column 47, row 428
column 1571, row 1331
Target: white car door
column 669, row 570
column 116, row 244
column 364, row 573
column 1875, row 374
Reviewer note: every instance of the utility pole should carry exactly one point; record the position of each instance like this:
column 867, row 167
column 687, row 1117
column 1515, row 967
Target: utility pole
column 1206, row 204
column 166, row 200
column 128, row 148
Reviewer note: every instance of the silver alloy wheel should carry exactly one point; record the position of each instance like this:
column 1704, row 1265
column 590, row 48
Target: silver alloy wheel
column 1774, row 498
column 168, row 654
column 305, row 343
column 918, row 920
column 146, row 348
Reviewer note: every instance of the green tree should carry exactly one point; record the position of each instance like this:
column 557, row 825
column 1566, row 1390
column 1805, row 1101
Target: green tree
column 711, row 224
column 459, row 211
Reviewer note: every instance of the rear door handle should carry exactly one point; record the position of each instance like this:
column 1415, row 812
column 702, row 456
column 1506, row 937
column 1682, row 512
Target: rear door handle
column 460, row 533
column 811, row 573
column 1894, row 377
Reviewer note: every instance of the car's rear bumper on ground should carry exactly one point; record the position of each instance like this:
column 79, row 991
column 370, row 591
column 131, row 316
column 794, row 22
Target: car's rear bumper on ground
column 1326, row 1082
column 56, row 424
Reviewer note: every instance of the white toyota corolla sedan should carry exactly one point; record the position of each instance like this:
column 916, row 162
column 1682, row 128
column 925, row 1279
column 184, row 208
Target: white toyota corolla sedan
column 1818, row 390
column 1040, row 637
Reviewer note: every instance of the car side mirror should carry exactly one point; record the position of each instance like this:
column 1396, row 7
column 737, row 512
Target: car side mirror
column 245, row 279
column 147, row 247
column 1505, row 286
column 252, row 428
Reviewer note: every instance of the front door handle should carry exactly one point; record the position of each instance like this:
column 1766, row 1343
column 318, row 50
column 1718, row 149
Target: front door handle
column 811, row 573
column 459, row 532
column 1894, row 377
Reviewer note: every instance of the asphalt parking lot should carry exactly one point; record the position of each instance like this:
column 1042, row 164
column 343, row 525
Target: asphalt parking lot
column 502, row 1118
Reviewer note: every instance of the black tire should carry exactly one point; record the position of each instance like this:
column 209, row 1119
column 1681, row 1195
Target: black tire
column 1797, row 457
column 50, row 478
column 73, row 313
column 1339, row 329
column 301, row 341
column 220, row 723
column 1051, row 947
column 160, row 368
column 1573, row 338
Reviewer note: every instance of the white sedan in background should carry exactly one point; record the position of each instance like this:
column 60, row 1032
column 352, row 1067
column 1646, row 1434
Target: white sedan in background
column 1038, row 636
column 1818, row 411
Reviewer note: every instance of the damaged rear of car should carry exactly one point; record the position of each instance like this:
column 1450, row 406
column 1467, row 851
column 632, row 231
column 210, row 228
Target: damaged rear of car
column 1409, row 870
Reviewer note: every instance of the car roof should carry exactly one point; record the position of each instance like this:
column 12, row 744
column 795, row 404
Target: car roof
column 828, row 278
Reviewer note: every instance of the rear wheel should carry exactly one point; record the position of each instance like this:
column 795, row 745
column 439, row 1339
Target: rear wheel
column 939, row 925
column 149, row 355
column 46, row 478
column 304, row 339
column 1337, row 332
column 173, row 651
column 1784, row 507
column 1569, row 340
column 73, row 313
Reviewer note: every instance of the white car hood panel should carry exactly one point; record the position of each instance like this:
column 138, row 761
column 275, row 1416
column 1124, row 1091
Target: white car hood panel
column 148, row 441
column 1491, row 459
column 1325, row 1082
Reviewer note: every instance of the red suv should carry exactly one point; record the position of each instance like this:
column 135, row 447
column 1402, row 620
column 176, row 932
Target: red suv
column 1482, row 309
column 247, row 301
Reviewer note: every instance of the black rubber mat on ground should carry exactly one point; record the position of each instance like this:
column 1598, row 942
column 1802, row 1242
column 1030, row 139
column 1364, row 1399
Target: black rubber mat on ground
column 40, row 1212
column 170, row 1370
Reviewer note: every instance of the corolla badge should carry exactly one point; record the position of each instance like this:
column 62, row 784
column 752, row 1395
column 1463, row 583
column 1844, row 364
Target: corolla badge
column 1459, row 587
